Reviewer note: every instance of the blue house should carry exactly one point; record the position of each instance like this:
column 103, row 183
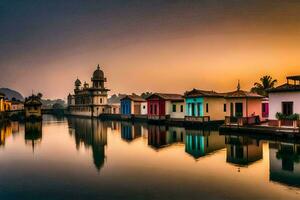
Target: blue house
column 204, row 105
column 132, row 105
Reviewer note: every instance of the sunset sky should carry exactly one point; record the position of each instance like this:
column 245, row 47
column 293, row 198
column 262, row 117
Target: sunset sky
column 157, row 45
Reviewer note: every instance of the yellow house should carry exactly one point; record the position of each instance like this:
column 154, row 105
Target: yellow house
column 1, row 102
column 204, row 105
column 32, row 107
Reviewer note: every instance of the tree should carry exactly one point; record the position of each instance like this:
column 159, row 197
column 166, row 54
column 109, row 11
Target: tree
column 262, row 87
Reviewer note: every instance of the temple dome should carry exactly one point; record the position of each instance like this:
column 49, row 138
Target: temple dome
column 77, row 82
column 98, row 74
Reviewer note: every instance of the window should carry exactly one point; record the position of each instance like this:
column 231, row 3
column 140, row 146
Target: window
column 225, row 108
column 155, row 109
column 151, row 109
column 144, row 107
column 287, row 108
column 181, row 108
column 174, row 107
column 207, row 107
column 100, row 100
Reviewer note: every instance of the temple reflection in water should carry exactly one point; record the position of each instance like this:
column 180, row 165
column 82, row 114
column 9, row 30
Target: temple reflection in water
column 33, row 133
column 199, row 143
column 285, row 163
column 92, row 134
column 242, row 150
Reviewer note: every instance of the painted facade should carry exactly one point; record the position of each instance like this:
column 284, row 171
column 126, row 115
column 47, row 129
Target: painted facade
column 132, row 105
column 162, row 106
column 201, row 103
column 241, row 103
column 1, row 102
column 89, row 101
column 285, row 99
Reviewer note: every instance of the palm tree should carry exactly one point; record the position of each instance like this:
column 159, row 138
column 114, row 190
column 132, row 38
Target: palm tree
column 266, row 82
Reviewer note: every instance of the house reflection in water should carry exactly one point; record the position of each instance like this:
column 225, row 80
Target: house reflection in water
column 33, row 133
column 285, row 163
column 92, row 133
column 162, row 136
column 130, row 131
column 242, row 150
column 5, row 131
column 199, row 143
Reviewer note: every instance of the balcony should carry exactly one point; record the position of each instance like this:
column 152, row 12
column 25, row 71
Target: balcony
column 158, row 117
column 241, row 121
column 197, row 118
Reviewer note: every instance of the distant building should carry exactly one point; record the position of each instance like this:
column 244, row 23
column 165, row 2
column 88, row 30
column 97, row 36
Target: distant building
column 285, row 98
column 162, row 106
column 89, row 101
column 33, row 107
column 17, row 105
column 201, row 103
column 132, row 105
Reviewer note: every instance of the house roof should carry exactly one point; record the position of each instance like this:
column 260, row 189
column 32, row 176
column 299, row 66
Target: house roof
column 202, row 93
column 166, row 96
column 116, row 100
column 285, row 88
column 294, row 78
column 242, row 94
column 134, row 98
column 33, row 100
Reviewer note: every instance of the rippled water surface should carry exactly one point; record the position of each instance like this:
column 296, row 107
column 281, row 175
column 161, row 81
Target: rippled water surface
column 72, row 158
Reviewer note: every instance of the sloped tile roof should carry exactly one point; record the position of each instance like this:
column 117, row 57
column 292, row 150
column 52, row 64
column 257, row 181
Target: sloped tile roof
column 167, row 96
column 242, row 94
column 134, row 98
column 202, row 93
column 285, row 88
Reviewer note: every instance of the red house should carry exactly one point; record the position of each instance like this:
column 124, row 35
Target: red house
column 162, row 106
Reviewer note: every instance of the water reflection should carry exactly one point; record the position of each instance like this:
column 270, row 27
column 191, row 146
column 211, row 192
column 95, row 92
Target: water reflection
column 243, row 150
column 163, row 136
column 8, row 129
column 130, row 131
column 285, row 163
column 202, row 142
column 33, row 133
column 92, row 134
column 132, row 162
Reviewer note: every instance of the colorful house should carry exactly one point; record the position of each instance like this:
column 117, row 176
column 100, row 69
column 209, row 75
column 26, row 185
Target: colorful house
column 162, row 106
column 132, row 105
column 1, row 102
column 204, row 105
column 243, row 107
column 285, row 99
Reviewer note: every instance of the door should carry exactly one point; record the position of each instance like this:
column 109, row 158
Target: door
column 239, row 109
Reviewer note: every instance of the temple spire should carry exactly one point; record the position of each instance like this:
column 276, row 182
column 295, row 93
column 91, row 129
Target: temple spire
column 238, row 86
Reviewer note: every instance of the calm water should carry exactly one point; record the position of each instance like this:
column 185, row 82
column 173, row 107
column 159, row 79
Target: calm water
column 83, row 158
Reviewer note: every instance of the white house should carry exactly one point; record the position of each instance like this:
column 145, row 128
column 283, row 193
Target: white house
column 285, row 99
